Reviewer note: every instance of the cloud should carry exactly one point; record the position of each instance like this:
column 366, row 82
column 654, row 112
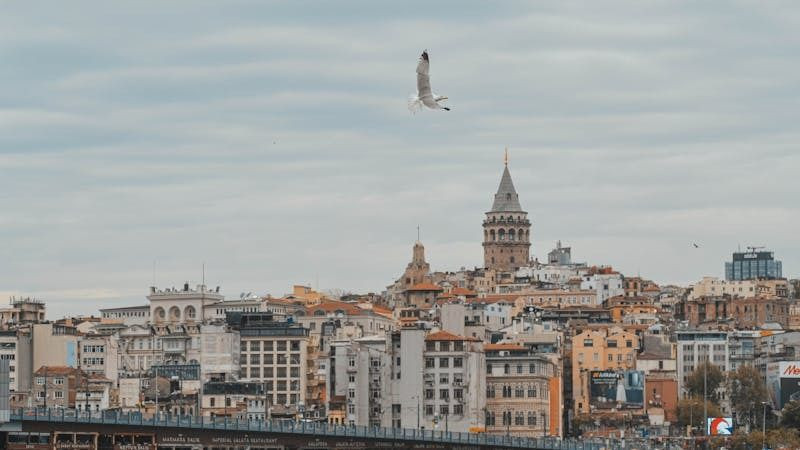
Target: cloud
column 273, row 143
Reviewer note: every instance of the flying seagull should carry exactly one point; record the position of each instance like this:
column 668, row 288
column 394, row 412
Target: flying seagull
column 695, row 245
column 424, row 95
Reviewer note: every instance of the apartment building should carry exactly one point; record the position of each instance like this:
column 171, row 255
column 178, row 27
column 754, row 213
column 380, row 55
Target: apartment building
column 275, row 354
column 523, row 392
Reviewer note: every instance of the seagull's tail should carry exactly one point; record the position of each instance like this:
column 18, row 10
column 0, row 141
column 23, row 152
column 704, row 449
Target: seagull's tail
column 414, row 104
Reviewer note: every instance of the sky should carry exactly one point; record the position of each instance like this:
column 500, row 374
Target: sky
column 271, row 142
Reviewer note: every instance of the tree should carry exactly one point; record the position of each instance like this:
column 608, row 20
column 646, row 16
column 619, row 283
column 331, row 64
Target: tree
column 691, row 409
column 790, row 415
column 747, row 392
column 714, row 378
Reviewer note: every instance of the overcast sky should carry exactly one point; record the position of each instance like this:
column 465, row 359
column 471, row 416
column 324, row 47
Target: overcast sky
column 271, row 140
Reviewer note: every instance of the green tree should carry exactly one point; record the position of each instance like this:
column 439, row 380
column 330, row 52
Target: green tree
column 713, row 379
column 790, row 415
column 691, row 409
column 747, row 392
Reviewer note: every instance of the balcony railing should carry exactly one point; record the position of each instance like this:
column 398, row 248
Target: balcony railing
column 62, row 416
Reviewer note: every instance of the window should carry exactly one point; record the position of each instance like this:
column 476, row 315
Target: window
column 281, row 372
column 255, row 346
column 255, row 358
column 429, row 393
column 40, row 380
column 428, row 410
column 458, row 393
column 458, row 346
column 444, row 394
column 444, row 362
column 58, row 381
column 267, row 346
column 255, row 372
column 444, row 410
column 430, row 346
column 458, row 409
column 212, row 402
column 532, row 368
column 531, row 418
column 612, row 343
column 532, row 390
column 58, row 394
column 519, row 368
column 519, row 418
column 587, row 343
column 444, row 346
column 429, row 363
column 519, row 392
column 444, row 378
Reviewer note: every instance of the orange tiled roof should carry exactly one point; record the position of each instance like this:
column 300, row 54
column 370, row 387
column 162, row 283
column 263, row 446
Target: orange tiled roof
column 463, row 291
column 503, row 346
column 330, row 306
column 447, row 336
column 425, row 287
column 56, row 370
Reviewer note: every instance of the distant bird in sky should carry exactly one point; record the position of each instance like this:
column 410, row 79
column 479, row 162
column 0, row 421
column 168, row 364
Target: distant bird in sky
column 425, row 97
column 695, row 245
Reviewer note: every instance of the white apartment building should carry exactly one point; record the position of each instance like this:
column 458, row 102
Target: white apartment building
column 275, row 354
column 17, row 348
column 127, row 315
column 606, row 285
column 695, row 347
column 454, row 382
column 98, row 355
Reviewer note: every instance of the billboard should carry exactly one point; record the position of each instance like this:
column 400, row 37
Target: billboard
column 783, row 382
column 719, row 426
column 620, row 389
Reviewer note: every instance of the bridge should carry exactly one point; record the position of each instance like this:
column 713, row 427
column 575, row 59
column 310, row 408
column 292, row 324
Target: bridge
column 32, row 429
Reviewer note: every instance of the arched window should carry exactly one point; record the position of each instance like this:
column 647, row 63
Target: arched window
column 174, row 313
column 508, row 196
column 501, row 234
column 190, row 312
column 493, row 236
column 160, row 314
column 531, row 418
column 511, row 234
column 506, row 369
column 521, row 234
column 319, row 312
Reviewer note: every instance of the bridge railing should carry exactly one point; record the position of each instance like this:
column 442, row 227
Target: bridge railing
column 314, row 428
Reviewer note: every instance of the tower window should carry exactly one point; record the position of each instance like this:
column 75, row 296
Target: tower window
column 508, row 196
column 512, row 259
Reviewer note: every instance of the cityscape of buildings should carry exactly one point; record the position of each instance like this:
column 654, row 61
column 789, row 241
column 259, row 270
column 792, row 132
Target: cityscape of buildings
column 518, row 346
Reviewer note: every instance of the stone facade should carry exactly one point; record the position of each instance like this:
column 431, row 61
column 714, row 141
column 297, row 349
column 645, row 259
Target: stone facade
column 506, row 230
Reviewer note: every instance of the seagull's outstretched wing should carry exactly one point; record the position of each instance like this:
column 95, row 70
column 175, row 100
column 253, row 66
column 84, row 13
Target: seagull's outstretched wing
column 424, row 82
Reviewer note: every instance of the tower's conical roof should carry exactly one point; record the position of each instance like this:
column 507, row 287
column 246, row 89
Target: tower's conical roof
column 506, row 198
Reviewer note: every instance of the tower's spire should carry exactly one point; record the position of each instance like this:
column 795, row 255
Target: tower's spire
column 505, row 160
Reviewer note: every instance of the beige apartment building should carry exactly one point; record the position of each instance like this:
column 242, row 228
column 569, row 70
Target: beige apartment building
column 598, row 349
column 523, row 392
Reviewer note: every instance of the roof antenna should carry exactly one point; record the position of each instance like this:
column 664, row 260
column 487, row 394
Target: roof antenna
column 505, row 159
column 204, row 274
column 154, row 273
column 417, row 233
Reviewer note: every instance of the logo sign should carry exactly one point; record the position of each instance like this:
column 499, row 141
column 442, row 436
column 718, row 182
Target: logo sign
column 720, row 426
column 790, row 370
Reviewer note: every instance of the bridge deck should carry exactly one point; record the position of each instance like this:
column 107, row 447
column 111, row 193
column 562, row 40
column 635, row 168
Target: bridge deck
column 323, row 430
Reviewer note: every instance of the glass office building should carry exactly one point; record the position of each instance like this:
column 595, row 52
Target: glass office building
column 752, row 265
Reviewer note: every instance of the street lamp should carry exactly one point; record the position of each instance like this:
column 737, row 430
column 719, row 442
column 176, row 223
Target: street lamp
column 764, row 427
